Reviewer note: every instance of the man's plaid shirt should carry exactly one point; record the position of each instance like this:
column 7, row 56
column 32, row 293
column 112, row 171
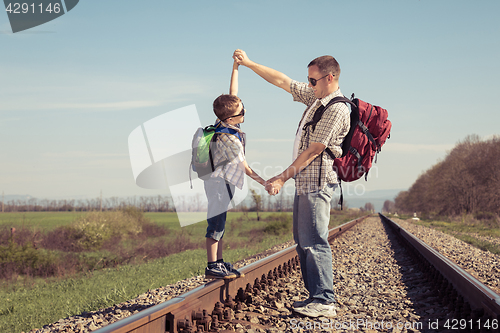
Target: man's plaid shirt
column 229, row 148
column 330, row 131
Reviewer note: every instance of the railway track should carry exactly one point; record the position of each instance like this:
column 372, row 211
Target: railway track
column 467, row 305
column 385, row 280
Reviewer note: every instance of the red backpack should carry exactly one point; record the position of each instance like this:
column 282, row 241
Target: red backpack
column 369, row 130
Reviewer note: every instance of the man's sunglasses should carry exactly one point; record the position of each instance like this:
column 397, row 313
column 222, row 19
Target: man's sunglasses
column 242, row 113
column 314, row 81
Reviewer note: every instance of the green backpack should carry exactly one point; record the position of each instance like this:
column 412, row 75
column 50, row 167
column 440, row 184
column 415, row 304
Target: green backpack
column 204, row 142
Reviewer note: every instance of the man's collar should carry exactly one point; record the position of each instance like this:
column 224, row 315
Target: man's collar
column 328, row 98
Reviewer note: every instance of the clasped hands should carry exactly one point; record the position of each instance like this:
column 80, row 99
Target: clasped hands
column 274, row 185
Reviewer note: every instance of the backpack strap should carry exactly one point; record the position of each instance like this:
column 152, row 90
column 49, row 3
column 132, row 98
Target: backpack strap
column 222, row 129
column 216, row 128
column 317, row 117
column 365, row 130
column 190, row 179
column 219, row 130
column 227, row 130
column 231, row 195
column 341, row 199
column 319, row 112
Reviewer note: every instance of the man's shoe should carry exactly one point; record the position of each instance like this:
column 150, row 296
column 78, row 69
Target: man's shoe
column 231, row 269
column 317, row 309
column 301, row 304
column 218, row 271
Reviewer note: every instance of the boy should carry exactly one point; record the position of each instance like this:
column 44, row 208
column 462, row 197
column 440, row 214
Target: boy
column 220, row 187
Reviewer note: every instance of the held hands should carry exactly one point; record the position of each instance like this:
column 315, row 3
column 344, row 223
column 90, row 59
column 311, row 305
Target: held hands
column 241, row 57
column 274, row 185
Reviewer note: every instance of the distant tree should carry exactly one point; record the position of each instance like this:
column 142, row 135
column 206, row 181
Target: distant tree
column 466, row 181
column 388, row 207
column 369, row 207
column 258, row 202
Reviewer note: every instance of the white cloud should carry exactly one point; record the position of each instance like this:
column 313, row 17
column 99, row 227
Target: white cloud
column 37, row 90
column 81, row 160
column 82, row 154
column 103, row 106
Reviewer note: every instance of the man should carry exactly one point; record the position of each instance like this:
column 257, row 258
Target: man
column 315, row 179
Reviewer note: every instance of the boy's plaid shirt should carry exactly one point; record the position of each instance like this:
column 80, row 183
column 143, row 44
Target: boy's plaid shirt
column 330, row 131
column 230, row 148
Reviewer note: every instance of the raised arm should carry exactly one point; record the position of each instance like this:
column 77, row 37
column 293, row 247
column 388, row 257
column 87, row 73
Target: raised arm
column 270, row 75
column 233, row 86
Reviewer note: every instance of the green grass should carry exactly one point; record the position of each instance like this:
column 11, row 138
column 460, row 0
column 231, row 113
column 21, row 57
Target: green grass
column 46, row 221
column 466, row 232
column 450, row 227
column 480, row 244
column 27, row 307
column 166, row 219
column 239, row 226
column 29, row 303
column 42, row 221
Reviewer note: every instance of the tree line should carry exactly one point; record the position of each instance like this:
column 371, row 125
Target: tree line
column 157, row 203
column 466, row 181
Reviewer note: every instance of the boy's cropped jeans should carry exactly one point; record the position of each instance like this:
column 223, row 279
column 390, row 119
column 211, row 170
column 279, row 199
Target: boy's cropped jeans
column 311, row 216
column 219, row 195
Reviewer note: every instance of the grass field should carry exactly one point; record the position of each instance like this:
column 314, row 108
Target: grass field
column 481, row 234
column 31, row 302
column 42, row 221
column 46, row 221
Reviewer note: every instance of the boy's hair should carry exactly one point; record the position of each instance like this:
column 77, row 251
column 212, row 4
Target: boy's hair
column 326, row 64
column 226, row 105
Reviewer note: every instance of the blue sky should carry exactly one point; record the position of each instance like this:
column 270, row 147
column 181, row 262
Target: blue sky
column 73, row 89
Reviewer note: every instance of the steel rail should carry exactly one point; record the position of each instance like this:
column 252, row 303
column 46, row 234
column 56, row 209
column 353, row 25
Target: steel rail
column 183, row 310
column 476, row 293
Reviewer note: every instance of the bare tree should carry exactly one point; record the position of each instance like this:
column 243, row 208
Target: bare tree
column 369, row 207
column 258, row 202
column 388, row 206
column 466, row 181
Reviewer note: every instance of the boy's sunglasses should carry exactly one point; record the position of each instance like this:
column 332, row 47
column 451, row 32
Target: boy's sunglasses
column 242, row 113
column 314, row 81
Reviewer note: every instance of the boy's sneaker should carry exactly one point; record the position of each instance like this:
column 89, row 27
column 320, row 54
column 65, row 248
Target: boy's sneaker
column 231, row 269
column 218, row 271
column 317, row 309
column 300, row 304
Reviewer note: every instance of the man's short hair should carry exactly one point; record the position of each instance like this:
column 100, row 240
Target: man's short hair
column 326, row 64
column 226, row 105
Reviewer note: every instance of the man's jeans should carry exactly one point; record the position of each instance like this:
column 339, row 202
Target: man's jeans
column 311, row 216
